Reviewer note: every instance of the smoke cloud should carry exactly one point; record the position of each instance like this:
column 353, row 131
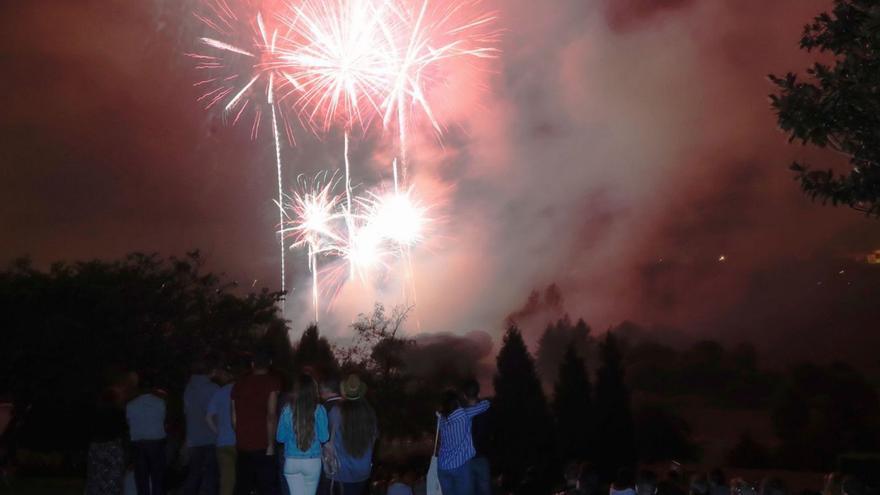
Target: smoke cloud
column 622, row 150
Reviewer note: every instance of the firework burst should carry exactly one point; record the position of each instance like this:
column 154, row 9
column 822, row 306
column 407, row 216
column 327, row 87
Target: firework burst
column 239, row 75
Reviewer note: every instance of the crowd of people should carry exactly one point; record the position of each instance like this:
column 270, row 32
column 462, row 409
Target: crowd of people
column 324, row 431
column 581, row 479
column 245, row 435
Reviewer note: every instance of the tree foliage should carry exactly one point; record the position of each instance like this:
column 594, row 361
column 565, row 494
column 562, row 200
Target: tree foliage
column 315, row 354
column 662, row 436
column 66, row 331
column 572, row 406
column 615, row 435
column 825, row 411
column 521, row 416
column 377, row 345
column 555, row 341
column 838, row 107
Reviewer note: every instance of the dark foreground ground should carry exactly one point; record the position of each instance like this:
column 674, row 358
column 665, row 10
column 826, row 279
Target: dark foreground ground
column 34, row 486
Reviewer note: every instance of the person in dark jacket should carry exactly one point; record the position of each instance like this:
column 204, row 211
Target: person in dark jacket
column 106, row 457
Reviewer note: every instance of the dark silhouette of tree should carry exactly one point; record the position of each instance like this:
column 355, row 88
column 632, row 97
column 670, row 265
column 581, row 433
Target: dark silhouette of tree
column 67, row 329
column 314, row 353
column 553, row 343
column 277, row 343
column 749, row 454
column 572, row 406
column 615, row 436
column 825, row 411
column 663, row 436
column 521, row 418
column 838, row 108
column 378, row 346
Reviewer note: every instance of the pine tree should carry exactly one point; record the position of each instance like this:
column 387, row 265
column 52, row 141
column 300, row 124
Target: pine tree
column 554, row 342
column 520, row 413
column 276, row 342
column 615, row 430
column 315, row 354
column 572, row 407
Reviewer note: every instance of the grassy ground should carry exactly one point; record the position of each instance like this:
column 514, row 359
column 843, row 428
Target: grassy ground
column 35, row 486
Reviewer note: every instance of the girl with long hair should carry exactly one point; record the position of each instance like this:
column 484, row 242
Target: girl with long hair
column 302, row 429
column 354, row 432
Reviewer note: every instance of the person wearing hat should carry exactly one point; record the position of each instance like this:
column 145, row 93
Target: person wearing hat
column 353, row 433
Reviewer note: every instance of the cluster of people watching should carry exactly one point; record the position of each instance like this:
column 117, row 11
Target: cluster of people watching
column 581, row 479
column 326, row 432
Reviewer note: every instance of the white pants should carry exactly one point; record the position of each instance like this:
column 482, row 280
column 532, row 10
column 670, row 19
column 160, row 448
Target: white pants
column 302, row 475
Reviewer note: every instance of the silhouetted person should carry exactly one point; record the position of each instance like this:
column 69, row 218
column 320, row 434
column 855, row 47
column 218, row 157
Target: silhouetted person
column 699, row 485
column 254, row 404
column 624, row 483
column 772, row 486
column 739, row 486
column 853, row 485
column 456, row 444
column 480, row 433
column 201, row 440
column 588, row 482
column 302, row 429
column 219, row 418
column 718, row 483
column 646, row 484
column 146, row 425
column 354, row 431
column 671, row 485
column 402, row 484
column 571, row 475
column 330, row 398
column 106, row 458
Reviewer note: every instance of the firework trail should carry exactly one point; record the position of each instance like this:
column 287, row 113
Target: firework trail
column 239, row 75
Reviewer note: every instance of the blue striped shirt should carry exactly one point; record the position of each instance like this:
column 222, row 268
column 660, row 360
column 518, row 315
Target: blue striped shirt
column 456, row 444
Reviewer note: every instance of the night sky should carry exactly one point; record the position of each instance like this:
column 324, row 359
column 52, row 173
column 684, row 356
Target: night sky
column 623, row 149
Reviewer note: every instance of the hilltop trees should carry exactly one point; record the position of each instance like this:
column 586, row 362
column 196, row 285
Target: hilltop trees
column 68, row 329
column 555, row 341
column 521, row 416
column 572, row 406
column 615, row 436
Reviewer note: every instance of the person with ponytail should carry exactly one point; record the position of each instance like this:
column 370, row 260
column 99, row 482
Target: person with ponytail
column 354, row 432
column 302, row 429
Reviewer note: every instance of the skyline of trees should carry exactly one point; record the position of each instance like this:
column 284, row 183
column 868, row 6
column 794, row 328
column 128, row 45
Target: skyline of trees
column 604, row 398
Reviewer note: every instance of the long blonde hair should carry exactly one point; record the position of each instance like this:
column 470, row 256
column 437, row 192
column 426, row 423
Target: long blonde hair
column 303, row 405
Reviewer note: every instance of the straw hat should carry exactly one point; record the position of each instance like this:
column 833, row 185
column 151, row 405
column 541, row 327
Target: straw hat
column 353, row 388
